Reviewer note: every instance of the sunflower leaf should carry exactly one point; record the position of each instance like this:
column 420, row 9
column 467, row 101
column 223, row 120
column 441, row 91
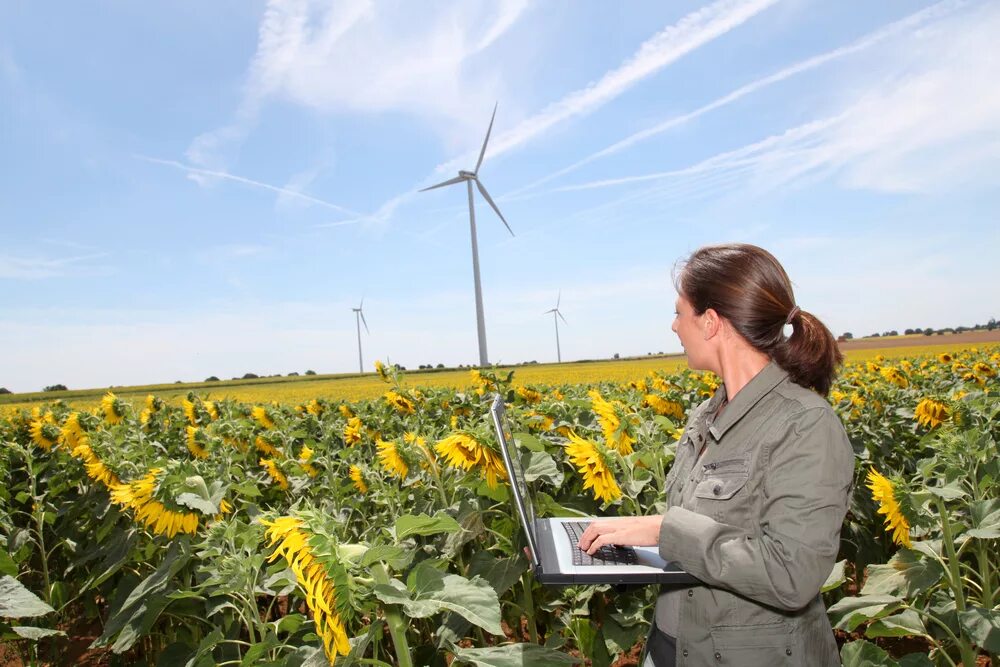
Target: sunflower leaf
column 514, row 655
column 849, row 613
column 836, row 578
column 34, row 634
column 983, row 626
column 421, row 524
column 196, row 502
column 865, row 654
column 16, row 601
column 906, row 574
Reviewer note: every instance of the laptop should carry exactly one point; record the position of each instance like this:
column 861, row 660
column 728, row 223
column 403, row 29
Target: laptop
column 552, row 542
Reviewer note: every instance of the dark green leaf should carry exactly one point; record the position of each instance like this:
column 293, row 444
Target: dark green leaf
column 34, row 634
column 865, row 654
column 514, row 655
column 904, row 624
column 849, row 613
column 985, row 516
column 907, row 574
column 982, row 626
column 421, row 524
column 16, row 601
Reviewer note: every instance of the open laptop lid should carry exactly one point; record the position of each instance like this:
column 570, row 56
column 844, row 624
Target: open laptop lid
column 518, row 486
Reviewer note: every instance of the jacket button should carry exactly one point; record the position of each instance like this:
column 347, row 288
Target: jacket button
column 718, row 656
column 788, row 651
column 684, row 653
column 717, row 490
column 690, row 593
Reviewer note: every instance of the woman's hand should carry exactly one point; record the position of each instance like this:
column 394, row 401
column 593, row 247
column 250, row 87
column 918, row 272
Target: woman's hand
column 639, row 531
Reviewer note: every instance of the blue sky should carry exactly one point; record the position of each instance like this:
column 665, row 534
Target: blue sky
column 191, row 189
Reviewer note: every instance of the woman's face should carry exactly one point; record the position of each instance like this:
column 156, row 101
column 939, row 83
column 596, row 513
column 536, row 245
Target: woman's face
column 689, row 327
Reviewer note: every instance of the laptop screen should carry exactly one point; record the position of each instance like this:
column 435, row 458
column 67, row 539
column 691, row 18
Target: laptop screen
column 512, row 461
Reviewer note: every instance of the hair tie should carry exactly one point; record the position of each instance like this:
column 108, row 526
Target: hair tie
column 791, row 314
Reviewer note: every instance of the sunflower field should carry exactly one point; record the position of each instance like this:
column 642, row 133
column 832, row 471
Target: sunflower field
column 380, row 532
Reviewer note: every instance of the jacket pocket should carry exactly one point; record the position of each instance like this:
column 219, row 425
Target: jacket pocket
column 722, row 479
column 768, row 645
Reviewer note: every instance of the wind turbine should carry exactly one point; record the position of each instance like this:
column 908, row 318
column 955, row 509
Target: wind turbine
column 471, row 177
column 556, row 315
column 359, row 317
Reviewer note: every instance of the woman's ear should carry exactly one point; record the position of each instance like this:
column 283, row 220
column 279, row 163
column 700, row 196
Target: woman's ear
column 712, row 323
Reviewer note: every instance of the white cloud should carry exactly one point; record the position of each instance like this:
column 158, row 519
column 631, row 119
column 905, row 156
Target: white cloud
column 37, row 268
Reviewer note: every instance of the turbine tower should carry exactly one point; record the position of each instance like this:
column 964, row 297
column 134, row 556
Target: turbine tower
column 556, row 316
column 359, row 317
column 471, row 177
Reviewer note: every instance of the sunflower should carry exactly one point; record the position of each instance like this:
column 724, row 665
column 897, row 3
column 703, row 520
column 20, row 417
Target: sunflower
column 984, row 369
column 883, row 493
column 44, row 432
column 353, row 431
column 537, row 421
column 895, row 376
column 261, row 416
column 314, row 407
column 265, row 447
column 380, row 368
column 945, row 358
column 139, row 497
column 930, row 413
column 113, row 408
column 304, row 456
column 290, row 540
column 663, row 406
column 274, row 473
column 529, row 395
column 195, row 442
column 610, row 417
column 463, row 451
column 389, row 456
column 359, row 481
column 345, row 410
column 588, row 459
column 71, row 431
column 400, row 403
column 95, row 468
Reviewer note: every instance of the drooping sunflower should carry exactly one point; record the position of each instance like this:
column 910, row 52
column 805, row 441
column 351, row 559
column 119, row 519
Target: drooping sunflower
column 383, row 373
column 274, row 473
column 113, row 408
column 614, row 422
column 353, row 431
column 461, row 450
column 345, row 410
column 305, row 454
column 94, row 466
column 71, row 431
column 44, row 431
column 529, row 395
column 930, row 413
column 399, row 403
column 290, row 540
column 883, row 492
column 984, row 369
column 265, row 447
column 389, row 456
column 314, row 407
column 358, row 480
column 664, row 406
column 196, row 442
column 895, row 376
column 139, row 496
column 588, row 460
column 261, row 416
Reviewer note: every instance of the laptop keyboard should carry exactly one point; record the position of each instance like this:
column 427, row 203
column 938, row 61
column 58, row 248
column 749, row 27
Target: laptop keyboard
column 606, row 555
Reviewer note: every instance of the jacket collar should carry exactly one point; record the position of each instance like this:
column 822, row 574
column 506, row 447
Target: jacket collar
column 759, row 386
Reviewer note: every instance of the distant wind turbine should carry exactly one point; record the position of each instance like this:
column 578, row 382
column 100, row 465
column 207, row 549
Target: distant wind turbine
column 556, row 316
column 359, row 317
column 469, row 177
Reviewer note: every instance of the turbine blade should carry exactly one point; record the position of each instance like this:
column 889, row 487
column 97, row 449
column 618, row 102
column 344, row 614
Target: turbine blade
column 549, row 311
column 558, row 299
column 450, row 181
column 363, row 321
column 482, row 153
column 561, row 317
column 489, row 200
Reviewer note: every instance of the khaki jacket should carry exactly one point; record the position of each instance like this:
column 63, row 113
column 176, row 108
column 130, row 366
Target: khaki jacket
column 757, row 519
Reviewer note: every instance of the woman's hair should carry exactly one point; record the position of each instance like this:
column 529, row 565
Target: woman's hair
column 748, row 286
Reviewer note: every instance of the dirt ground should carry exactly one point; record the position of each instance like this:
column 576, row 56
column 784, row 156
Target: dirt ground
column 964, row 338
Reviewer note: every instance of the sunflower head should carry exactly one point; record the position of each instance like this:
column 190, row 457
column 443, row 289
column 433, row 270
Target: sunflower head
column 884, row 493
column 391, row 459
column 592, row 464
column 930, row 413
column 113, row 408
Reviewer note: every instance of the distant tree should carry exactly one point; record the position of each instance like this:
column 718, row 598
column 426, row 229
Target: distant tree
column 293, row 374
column 55, row 387
column 310, row 372
column 875, row 335
column 847, row 335
column 211, row 378
column 907, row 332
column 616, row 356
column 250, row 376
column 439, row 366
column 992, row 324
column 4, row 390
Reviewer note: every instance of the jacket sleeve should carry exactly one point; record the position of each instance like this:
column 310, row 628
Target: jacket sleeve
column 784, row 558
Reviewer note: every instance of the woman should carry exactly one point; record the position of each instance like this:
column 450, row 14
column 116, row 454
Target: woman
column 761, row 480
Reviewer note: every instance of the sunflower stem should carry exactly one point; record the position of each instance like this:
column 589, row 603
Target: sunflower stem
column 397, row 627
column 955, row 580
